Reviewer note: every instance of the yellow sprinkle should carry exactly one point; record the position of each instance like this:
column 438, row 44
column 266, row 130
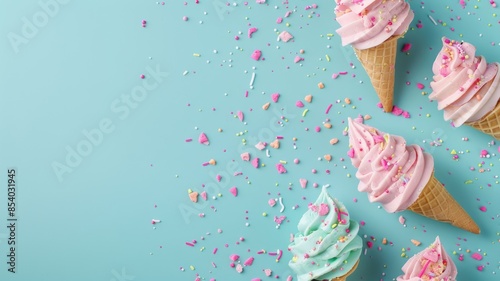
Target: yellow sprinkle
column 191, row 267
column 428, row 115
column 327, row 57
column 453, row 152
column 331, row 34
column 190, row 190
column 219, row 195
column 282, row 161
column 304, row 112
column 264, row 214
column 348, row 175
column 202, row 249
column 196, row 55
column 334, row 225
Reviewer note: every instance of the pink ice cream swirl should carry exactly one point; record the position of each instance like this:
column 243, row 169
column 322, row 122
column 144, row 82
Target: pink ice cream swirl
column 391, row 172
column 368, row 23
column 465, row 86
column 432, row 264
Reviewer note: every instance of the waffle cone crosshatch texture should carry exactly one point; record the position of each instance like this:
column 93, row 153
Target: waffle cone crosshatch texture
column 185, row 140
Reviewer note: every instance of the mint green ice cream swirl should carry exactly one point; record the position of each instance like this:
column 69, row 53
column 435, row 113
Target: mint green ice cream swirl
column 327, row 245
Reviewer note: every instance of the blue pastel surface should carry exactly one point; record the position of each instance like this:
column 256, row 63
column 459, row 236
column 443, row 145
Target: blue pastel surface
column 100, row 152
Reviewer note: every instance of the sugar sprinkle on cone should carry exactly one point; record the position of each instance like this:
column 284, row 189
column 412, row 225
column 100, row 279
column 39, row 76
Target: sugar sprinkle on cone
column 379, row 63
column 436, row 203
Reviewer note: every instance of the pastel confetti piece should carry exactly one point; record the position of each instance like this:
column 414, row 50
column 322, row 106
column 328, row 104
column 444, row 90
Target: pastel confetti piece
column 275, row 144
column 327, row 157
column 240, row 115
column 218, row 178
column 203, row 139
column 234, row 191
column 335, row 75
column 260, row 145
column 420, row 86
column 477, row 256
column 234, row 257
column 279, row 20
column 204, row 195
column 402, row 220
column 289, row 278
column 299, row 104
column 245, row 156
column 256, row 55
column 415, row 242
column 255, row 162
column 321, row 85
column 239, row 268
column 268, row 272
column 266, row 105
column 285, row 36
column 212, row 162
column 308, row 98
column 275, row 97
column 251, row 31
column 193, row 196
column 281, row 169
column 303, row 183
column 334, row 141
column 297, row 59
column 249, row 261
column 397, row 111
column 271, row 202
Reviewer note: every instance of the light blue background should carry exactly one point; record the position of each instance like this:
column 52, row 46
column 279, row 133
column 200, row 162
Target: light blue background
column 95, row 223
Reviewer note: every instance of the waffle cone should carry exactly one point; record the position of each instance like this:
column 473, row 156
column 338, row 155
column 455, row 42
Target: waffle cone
column 490, row 123
column 436, row 203
column 344, row 277
column 379, row 63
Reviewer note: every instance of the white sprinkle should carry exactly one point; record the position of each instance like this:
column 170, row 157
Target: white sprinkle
column 282, row 206
column 253, row 79
column 267, row 153
column 432, row 19
column 185, row 72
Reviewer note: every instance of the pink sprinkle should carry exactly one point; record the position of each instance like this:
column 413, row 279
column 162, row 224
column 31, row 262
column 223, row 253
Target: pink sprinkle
column 287, row 14
column 369, row 244
column 256, row 55
column 234, row 257
column 406, row 114
column 480, row 267
column 301, row 104
column 281, row 169
column 317, row 129
column 406, row 47
column 275, row 97
column 420, row 86
column 379, row 105
column 234, row 191
column 342, row 72
column 184, row 18
column 335, row 75
column 240, row 115
column 218, row 178
column 189, row 140
column 289, row 278
column 255, row 162
column 236, row 37
column 303, row 183
column 482, row 208
column 203, row 139
column 190, row 244
column 350, row 153
column 402, row 220
column 328, row 108
column 142, row 76
column 249, row 261
column 297, row 59
column 279, row 20
column 215, row 251
column 251, row 31
column 397, row 111
column 477, row 256
column 271, row 202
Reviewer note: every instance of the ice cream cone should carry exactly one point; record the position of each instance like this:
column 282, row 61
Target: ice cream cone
column 379, row 63
column 490, row 123
column 344, row 277
column 436, row 203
